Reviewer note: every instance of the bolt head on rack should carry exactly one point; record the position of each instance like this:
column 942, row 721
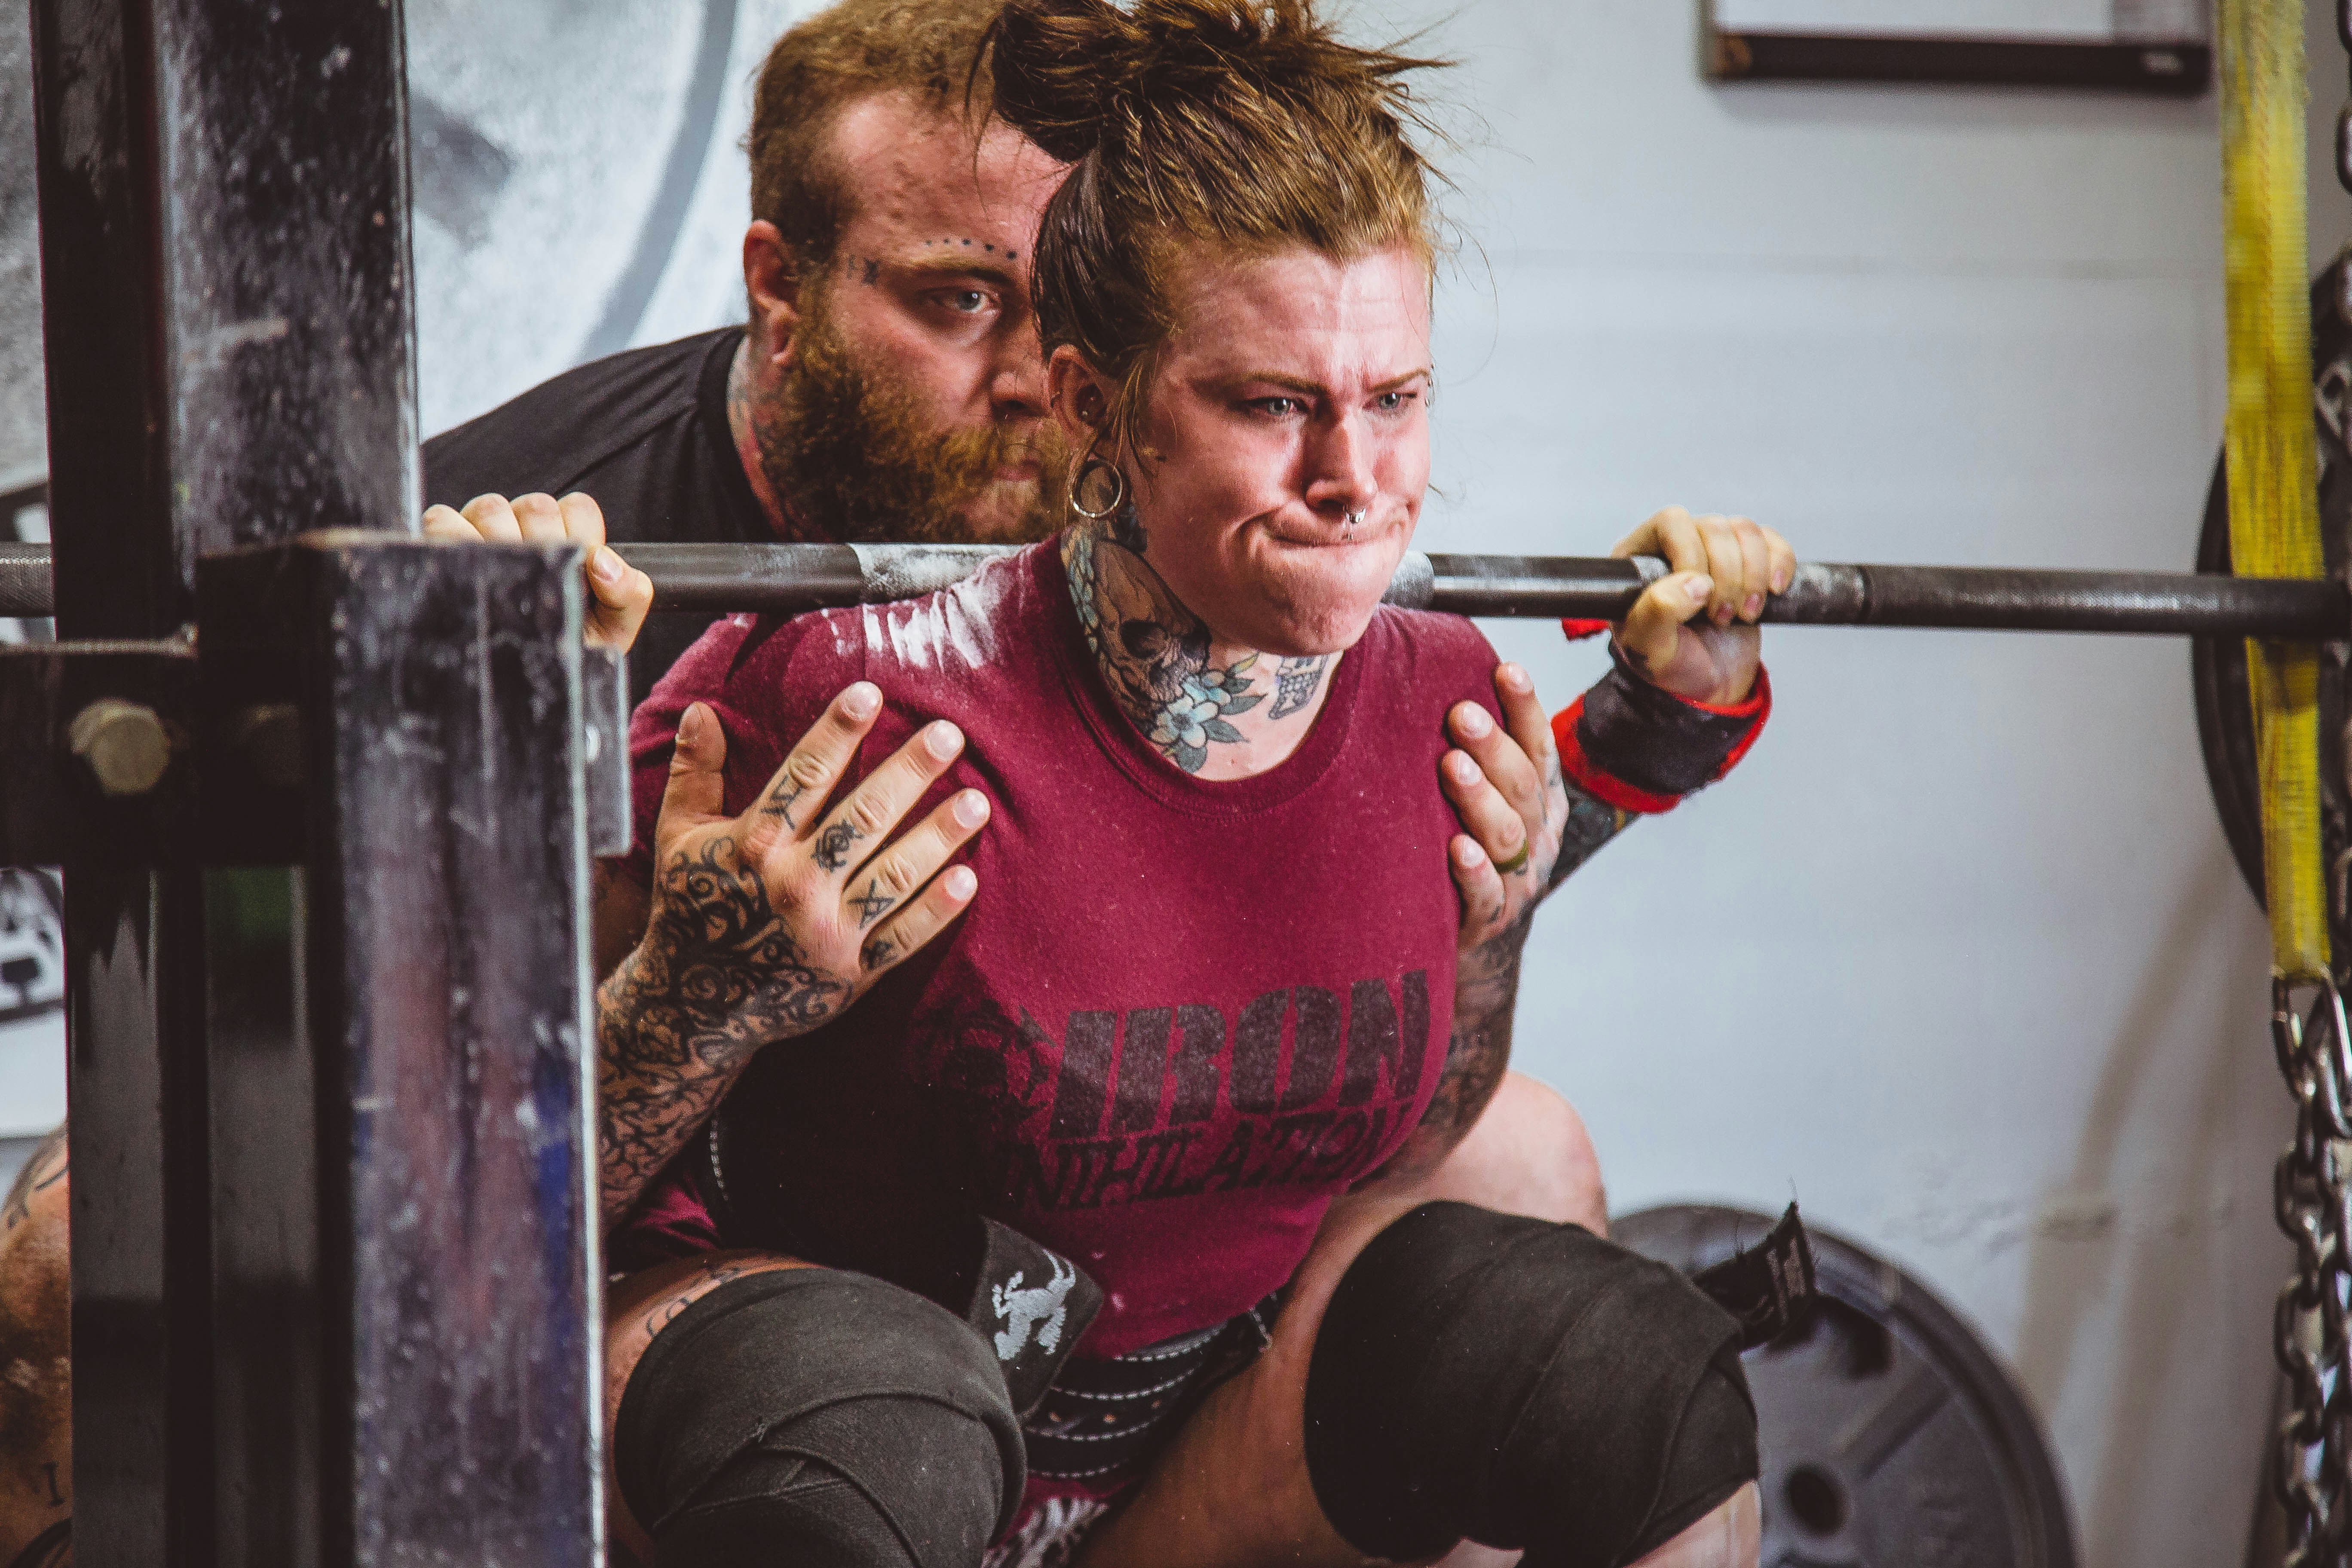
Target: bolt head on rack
column 123, row 745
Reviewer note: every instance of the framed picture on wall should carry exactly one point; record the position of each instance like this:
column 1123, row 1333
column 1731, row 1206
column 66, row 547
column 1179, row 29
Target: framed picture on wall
column 2140, row 45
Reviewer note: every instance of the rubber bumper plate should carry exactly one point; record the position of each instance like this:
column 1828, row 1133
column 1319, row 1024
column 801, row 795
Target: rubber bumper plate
column 2225, row 717
column 1890, row 1434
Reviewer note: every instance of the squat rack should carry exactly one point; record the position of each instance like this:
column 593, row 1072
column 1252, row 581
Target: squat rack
column 325, row 796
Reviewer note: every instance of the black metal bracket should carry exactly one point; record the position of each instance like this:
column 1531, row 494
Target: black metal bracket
column 163, row 753
column 97, row 749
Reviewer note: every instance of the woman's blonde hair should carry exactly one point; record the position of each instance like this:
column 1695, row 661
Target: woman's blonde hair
column 1244, row 126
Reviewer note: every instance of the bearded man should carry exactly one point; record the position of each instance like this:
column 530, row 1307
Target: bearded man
column 888, row 386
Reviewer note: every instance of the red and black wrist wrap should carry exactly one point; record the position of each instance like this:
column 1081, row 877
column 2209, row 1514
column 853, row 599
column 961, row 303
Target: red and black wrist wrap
column 1639, row 747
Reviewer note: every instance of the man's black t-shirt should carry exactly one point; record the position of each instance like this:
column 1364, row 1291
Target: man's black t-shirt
column 646, row 434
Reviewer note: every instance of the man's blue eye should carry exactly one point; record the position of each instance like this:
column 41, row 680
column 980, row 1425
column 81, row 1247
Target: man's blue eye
column 1280, row 407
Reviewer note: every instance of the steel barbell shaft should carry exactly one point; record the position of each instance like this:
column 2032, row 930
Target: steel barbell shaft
column 25, row 585
column 791, row 578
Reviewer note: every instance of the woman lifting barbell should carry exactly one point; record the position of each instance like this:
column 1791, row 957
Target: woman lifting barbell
column 1176, row 1013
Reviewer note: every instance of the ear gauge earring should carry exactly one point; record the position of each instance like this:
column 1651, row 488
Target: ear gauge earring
column 1087, row 468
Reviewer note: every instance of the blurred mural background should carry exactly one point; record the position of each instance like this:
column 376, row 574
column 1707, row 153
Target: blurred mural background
column 1959, row 959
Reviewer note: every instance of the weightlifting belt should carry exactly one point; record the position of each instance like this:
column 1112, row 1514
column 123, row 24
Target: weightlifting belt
column 1029, row 1303
column 1082, row 1419
column 1101, row 1420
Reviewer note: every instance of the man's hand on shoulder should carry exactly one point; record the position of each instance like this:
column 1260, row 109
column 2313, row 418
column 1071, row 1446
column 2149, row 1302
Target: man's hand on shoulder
column 1722, row 566
column 789, row 910
column 1505, row 784
column 618, row 593
column 767, row 924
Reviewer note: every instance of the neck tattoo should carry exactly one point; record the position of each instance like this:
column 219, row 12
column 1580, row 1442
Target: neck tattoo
column 1157, row 659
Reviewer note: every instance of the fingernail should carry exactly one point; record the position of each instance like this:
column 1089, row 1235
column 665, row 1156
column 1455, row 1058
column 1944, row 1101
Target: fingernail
column 1464, row 771
column 1517, row 679
column 604, row 565
column 943, row 740
column 1467, row 854
column 1473, row 719
column 862, row 701
column 959, row 883
column 1753, row 605
column 970, row 808
column 1781, row 579
column 1699, row 588
column 689, row 724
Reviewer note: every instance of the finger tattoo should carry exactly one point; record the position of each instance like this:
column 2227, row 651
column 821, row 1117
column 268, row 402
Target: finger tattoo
column 877, row 952
column 832, row 846
column 781, row 801
column 872, row 904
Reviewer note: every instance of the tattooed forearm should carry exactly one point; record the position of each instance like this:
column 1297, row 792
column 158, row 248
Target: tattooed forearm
column 716, row 978
column 1478, row 1053
column 1590, row 824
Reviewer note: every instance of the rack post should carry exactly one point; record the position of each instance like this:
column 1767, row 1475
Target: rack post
column 335, row 1295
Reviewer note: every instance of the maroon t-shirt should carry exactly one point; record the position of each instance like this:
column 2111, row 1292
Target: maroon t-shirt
column 1180, row 1017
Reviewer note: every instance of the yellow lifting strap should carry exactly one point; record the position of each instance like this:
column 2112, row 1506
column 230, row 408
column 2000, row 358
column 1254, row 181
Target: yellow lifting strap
column 2273, row 467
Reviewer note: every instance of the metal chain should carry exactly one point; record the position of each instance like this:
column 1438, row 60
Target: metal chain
column 2309, row 1193
column 2312, row 1466
column 2343, row 115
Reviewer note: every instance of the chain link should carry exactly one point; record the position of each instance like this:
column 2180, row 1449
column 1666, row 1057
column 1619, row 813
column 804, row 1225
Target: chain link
column 2343, row 115
column 2312, row 1466
column 2310, row 1198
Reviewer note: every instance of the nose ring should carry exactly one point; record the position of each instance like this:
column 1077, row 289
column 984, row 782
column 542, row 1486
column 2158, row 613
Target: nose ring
column 1354, row 518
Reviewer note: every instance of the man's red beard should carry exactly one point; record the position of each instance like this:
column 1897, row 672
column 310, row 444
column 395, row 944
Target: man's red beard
column 851, row 451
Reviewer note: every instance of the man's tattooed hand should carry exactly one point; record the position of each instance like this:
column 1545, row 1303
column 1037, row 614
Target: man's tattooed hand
column 756, row 933
column 833, row 844
column 872, row 904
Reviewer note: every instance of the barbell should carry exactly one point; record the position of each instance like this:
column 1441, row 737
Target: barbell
column 788, row 579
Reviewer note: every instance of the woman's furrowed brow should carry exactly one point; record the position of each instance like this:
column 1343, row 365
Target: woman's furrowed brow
column 1313, row 388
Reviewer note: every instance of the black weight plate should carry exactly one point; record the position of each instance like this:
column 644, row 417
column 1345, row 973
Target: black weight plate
column 2225, row 715
column 1890, row 1434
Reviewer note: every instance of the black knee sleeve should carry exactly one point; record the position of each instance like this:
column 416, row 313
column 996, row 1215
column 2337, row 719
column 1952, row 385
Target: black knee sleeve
column 818, row 1418
column 1526, row 1385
